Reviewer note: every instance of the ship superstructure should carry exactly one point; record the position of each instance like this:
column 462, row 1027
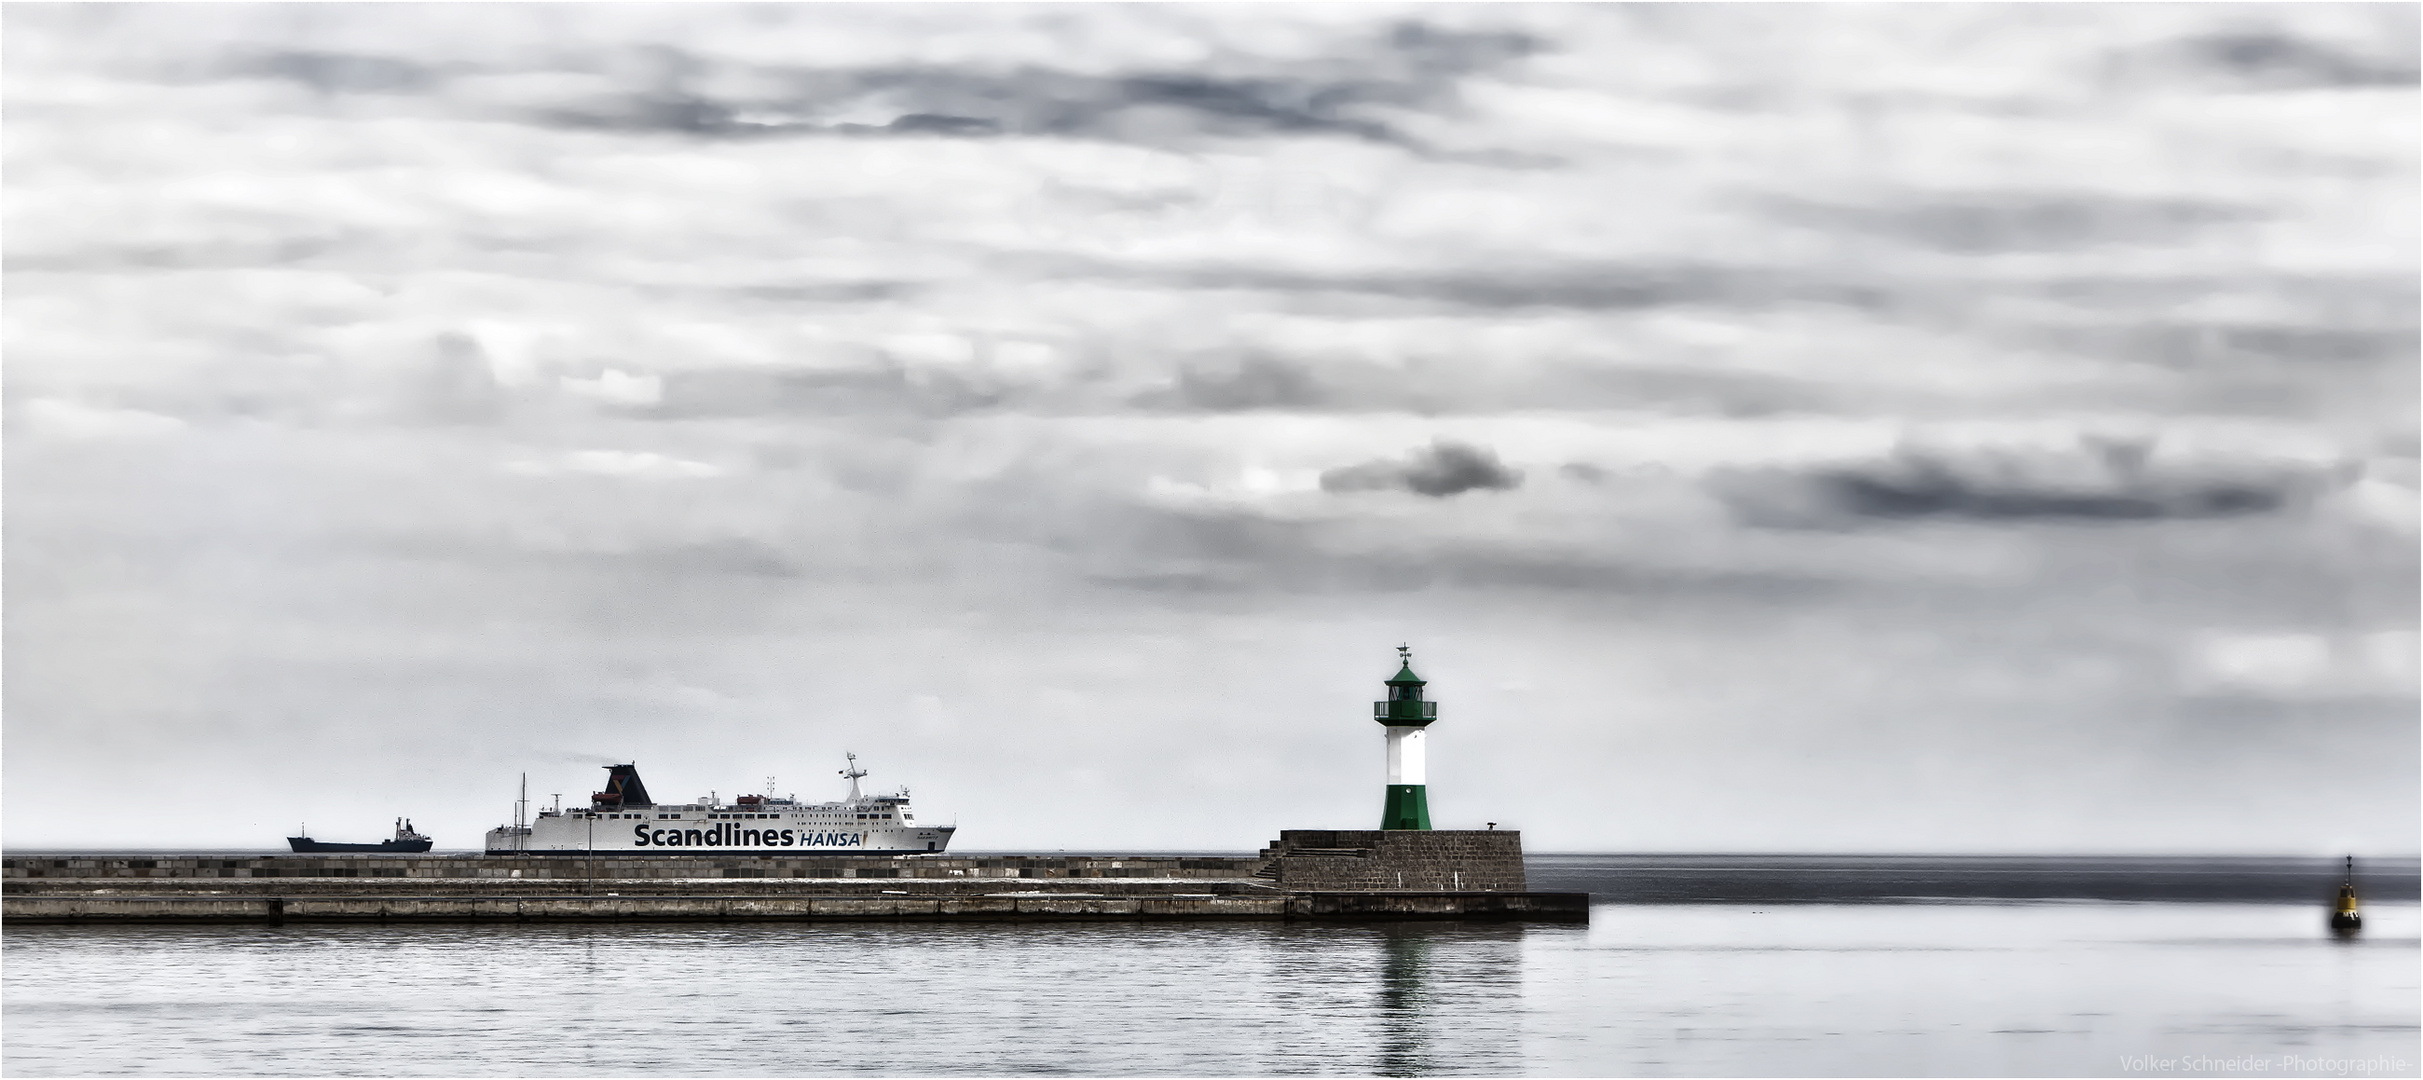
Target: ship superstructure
column 624, row 820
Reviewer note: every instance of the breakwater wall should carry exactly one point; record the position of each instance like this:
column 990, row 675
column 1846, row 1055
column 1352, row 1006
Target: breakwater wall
column 26, row 868
column 1037, row 906
column 175, row 888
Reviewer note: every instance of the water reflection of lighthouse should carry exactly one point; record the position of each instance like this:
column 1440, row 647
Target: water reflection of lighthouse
column 1448, row 1000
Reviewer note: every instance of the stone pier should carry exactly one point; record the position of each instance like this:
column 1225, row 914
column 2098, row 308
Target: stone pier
column 1321, row 876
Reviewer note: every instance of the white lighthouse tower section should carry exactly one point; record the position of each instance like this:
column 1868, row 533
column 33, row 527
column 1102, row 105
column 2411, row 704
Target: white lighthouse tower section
column 1407, row 755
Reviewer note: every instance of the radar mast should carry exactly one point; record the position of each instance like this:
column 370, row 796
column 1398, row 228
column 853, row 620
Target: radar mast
column 853, row 772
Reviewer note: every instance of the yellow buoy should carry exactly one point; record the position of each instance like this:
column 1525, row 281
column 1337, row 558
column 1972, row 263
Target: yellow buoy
column 2345, row 919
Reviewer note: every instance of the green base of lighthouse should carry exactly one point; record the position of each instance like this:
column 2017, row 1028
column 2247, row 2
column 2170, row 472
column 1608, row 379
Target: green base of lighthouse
column 1408, row 807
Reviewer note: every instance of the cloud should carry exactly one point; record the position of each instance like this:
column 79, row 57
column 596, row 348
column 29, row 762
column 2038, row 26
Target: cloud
column 1251, row 383
column 617, row 388
column 342, row 73
column 1445, row 468
column 678, row 91
column 2302, row 664
column 73, row 420
column 2274, row 60
column 1989, row 222
column 455, row 385
column 2097, row 479
column 1587, row 286
column 780, row 350
column 633, row 464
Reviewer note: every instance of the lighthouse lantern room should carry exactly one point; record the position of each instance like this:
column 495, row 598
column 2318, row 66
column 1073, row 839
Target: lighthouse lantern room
column 1406, row 716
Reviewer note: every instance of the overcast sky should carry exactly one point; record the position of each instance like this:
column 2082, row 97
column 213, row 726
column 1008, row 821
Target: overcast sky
column 1773, row 428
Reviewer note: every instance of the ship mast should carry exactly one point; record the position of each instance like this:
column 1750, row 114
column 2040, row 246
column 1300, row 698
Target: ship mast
column 853, row 772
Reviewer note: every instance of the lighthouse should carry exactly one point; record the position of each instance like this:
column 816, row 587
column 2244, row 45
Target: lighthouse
column 1406, row 717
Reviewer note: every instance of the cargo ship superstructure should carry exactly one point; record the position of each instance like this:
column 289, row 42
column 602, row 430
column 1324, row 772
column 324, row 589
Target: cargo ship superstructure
column 623, row 820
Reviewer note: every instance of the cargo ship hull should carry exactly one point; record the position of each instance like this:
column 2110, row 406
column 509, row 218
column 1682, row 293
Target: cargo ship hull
column 304, row 845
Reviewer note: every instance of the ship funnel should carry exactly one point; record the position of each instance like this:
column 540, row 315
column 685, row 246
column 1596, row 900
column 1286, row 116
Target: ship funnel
column 622, row 788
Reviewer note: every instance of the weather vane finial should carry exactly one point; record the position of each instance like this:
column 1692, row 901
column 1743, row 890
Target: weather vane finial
column 1405, row 653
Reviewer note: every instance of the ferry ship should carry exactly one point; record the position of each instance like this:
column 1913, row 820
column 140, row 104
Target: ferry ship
column 623, row 820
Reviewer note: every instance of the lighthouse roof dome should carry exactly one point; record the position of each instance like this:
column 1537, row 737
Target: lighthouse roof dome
column 1406, row 677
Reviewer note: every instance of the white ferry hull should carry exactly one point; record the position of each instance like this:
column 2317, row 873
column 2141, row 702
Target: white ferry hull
column 623, row 820
column 575, row 835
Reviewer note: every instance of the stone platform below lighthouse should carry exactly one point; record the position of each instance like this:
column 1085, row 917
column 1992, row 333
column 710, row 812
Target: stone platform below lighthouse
column 1375, row 860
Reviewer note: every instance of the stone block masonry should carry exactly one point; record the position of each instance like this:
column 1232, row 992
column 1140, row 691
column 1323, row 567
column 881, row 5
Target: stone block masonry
column 25, row 869
column 1369, row 860
column 103, row 907
column 1319, row 875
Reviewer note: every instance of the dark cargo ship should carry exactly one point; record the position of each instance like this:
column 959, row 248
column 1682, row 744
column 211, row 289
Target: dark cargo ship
column 406, row 842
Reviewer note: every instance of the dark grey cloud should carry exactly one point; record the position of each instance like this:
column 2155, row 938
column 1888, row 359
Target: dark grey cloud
column 1307, row 569
column 833, row 292
column 1145, row 108
column 343, row 73
column 1407, row 65
column 2109, row 480
column 2207, row 345
column 1576, row 285
column 1257, row 382
column 1240, row 551
column 1442, row 469
column 2272, row 60
column 1988, row 222
column 878, row 389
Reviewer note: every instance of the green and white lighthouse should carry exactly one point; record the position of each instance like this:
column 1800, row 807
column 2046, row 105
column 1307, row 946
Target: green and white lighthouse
column 1406, row 716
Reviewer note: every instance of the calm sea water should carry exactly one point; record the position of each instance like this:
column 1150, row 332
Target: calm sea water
column 1976, row 986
